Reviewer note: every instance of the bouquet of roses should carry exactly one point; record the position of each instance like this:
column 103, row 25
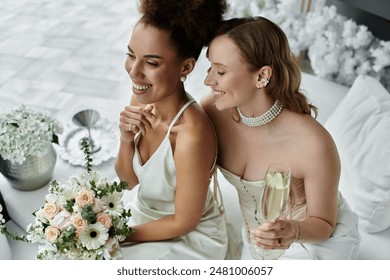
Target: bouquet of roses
column 83, row 218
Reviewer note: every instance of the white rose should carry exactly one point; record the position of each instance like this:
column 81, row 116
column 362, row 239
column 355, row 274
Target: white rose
column 40, row 215
column 51, row 198
column 98, row 206
column 61, row 220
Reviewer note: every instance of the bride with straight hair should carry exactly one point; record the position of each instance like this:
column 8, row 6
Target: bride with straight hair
column 261, row 117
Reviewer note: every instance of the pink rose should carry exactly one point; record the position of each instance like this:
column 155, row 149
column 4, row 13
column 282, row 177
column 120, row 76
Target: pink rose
column 51, row 209
column 52, row 233
column 85, row 197
column 104, row 219
column 79, row 223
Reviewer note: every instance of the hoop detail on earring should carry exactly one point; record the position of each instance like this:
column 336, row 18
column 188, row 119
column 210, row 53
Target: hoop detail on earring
column 183, row 79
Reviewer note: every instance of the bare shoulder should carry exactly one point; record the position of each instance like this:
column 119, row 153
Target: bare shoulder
column 197, row 128
column 316, row 134
column 313, row 142
column 197, row 121
column 195, row 139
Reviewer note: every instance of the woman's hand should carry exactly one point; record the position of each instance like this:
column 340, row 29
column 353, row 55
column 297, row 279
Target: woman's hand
column 277, row 235
column 134, row 119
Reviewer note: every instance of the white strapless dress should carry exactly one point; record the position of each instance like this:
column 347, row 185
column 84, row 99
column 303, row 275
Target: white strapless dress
column 343, row 244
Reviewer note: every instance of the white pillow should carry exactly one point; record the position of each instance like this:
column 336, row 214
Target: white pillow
column 360, row 126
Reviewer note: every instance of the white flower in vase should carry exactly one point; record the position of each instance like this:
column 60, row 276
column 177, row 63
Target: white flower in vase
column 26, row 132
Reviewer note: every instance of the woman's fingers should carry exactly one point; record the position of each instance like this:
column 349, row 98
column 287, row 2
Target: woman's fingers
column 279, row 234
column 134, row 119
column 272, row 242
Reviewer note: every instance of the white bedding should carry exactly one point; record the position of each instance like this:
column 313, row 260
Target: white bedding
column 327, row 96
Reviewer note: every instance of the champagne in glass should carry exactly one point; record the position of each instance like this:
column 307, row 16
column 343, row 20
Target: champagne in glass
column 273, row 205
column 276, row 191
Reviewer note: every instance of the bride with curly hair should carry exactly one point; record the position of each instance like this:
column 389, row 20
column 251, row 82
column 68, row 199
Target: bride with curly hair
column 168, row 146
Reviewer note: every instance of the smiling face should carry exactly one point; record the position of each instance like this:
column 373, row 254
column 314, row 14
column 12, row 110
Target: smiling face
column 153, row 64
column 229, row 76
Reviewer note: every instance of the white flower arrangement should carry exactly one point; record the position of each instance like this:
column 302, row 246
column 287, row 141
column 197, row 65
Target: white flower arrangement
column 81, row 219
column 342, row 49
column 338, row 48
column 25, row 132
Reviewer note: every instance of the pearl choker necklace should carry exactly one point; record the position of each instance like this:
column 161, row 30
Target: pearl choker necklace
column 264, row 118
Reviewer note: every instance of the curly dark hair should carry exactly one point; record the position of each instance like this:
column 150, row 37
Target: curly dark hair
column 192, row 23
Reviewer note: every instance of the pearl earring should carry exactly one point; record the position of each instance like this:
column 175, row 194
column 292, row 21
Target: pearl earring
column 183, row 79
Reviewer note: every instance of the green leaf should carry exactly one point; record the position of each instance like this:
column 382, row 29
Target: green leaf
column 88, row 214
column 85, row 147
column 13, row 235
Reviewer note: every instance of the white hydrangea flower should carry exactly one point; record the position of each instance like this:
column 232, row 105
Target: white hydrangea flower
column 381, row 55
column 25, row 132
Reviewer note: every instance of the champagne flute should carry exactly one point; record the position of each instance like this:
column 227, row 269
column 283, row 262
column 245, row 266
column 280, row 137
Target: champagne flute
column 273, row 205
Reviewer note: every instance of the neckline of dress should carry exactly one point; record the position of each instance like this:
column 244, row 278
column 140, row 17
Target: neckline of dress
column 239, row 177
column 188, row 103
column 224, row 170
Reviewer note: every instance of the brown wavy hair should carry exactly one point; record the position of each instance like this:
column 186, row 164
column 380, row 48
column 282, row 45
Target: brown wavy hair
column 192, row 23
column 262, row 43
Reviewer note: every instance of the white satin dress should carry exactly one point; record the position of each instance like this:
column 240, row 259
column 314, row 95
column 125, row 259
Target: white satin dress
column 343, row 244
column 155, row 200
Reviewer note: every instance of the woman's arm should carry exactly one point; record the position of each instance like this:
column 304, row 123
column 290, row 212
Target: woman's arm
column 321, row 178
column 319, row 166
column 194, row 155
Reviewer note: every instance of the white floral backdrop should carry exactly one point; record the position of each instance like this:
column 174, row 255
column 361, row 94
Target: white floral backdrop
column 338, row 48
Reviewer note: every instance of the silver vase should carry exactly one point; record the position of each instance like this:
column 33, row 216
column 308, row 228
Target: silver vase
column 32, row 174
